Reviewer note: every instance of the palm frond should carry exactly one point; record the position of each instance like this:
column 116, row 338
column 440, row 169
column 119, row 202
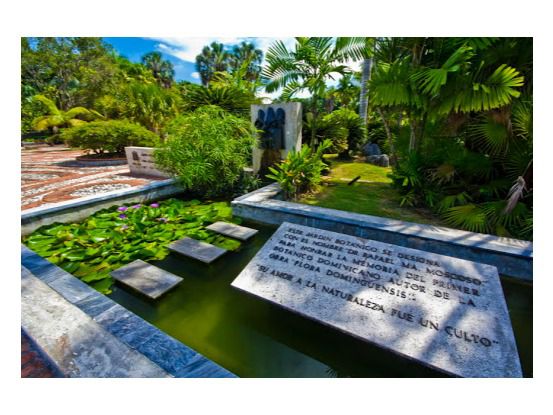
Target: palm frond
column 522, row 118
column 431, row 80
column 75, row 112
column 390, row 84
column 355, row 48
column 515, row 194
column 48, row 103
column 453, row 200
column 466, row 95
column 469, row 217
column 491, row 135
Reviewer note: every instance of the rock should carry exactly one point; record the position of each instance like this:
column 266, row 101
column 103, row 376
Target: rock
column 382, row 160
column 371, row 149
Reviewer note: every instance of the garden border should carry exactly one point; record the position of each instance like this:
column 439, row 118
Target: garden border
column 512, row 257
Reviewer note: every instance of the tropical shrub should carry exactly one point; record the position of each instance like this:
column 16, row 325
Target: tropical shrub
column 113, row 237
column 350, row 121
column 57, row 118
column 149, row 105
column 109, row 136
column 301, row 171
column 231, row 98
column 343, row 127
column 207, row 150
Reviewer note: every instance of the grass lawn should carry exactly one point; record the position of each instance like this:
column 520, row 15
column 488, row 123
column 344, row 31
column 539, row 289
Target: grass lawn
column 372, row 194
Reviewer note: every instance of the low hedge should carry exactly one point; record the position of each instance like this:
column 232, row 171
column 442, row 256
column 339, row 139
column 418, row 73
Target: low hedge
column 109, row 136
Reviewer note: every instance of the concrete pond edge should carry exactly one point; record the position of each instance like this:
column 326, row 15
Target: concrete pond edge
column 169, row 354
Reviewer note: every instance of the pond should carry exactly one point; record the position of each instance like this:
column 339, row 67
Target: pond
column 253, row 338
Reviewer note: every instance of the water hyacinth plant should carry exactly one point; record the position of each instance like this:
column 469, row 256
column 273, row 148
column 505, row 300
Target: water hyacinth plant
column 109, row 239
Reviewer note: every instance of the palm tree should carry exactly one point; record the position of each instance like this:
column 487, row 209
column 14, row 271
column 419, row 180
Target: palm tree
column 313, row 62
column 246, row 54
column 214, row 58
column 149, row 105
column 433, row 77
column 57, row 118
column 162, row 69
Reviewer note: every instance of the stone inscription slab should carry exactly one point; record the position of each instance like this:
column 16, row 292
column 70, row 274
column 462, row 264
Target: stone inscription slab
column 199, row 250
column 447, row 313
column 141, row 161
column 145, row 278
column 234, row 231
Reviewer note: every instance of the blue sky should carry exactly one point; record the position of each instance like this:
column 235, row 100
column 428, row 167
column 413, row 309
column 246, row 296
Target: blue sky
column 182, row 51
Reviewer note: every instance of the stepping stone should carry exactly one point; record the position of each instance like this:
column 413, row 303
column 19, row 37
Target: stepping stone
column 145, row 278
column 232, row 230
column 201, row 251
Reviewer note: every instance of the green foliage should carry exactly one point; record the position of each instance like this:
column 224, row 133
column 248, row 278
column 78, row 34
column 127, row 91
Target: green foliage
column 57, row 118
column 149, row 105
column 162, row 70
column 72, row 71
column 207, row 150
column 350, row 121
column 109, row 136
column 230, row 98
column 301, row 171
column 467, row 103
column 243, row 58
column 113, row 237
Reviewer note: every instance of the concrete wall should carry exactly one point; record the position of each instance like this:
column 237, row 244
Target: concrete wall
column 512, row 257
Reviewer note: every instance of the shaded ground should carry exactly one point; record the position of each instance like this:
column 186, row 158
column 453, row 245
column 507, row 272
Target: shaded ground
column 51, row 175
column 372, row 194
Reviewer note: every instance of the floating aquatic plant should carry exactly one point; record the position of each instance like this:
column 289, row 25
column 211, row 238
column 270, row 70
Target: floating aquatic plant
column 109, row 239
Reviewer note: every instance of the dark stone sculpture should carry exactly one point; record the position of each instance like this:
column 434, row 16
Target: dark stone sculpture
column 272, row 125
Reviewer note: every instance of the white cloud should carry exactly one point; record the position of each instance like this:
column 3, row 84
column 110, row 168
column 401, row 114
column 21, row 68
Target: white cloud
column 187, row 48
column 195, row 75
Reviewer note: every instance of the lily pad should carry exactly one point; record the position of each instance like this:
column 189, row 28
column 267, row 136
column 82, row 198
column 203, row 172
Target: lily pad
column 90, row 250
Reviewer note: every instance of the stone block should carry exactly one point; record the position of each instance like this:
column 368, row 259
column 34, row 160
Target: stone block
column 234, row 231
column 199, row 250
column 147, row 279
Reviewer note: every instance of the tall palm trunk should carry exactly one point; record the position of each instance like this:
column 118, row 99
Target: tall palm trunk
column 389, row 135
column 364, row 95
column 315, row 121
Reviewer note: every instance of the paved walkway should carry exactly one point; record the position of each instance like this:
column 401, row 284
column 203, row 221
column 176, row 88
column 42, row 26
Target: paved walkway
column 52, row 174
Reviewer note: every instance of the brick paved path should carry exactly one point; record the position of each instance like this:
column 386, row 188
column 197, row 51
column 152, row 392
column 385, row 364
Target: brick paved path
column 52, row 174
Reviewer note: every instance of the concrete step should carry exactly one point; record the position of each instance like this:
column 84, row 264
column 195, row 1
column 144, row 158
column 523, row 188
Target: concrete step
column 199, row 250
column 242, row 233
column 145, row 278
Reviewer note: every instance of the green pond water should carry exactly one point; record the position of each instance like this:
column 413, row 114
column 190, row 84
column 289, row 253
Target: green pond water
column 253, row 338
